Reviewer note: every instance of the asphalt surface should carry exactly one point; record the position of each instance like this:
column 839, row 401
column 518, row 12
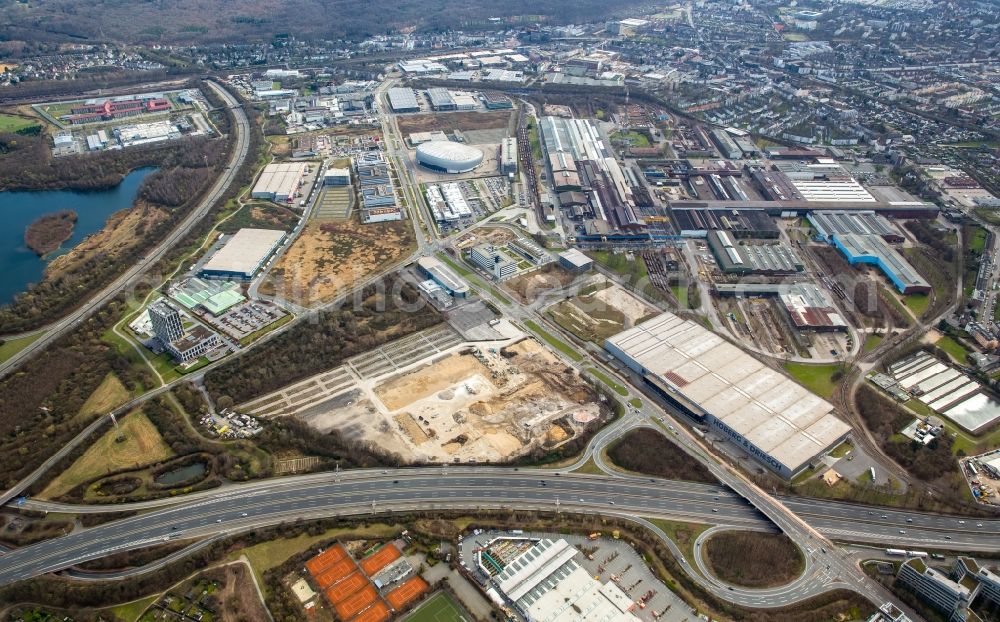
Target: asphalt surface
column 242, row 510
column 60, row 327
column 249, row 506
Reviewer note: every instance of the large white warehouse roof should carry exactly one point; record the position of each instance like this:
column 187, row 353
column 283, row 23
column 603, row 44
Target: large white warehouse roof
column 244, row 253
column 778, row 416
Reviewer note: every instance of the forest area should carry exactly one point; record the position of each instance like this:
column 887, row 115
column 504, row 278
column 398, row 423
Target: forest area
column 322, row 343
column 192, row 21
column 185, row 170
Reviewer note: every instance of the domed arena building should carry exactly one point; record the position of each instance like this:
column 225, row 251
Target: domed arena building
column 448, row 157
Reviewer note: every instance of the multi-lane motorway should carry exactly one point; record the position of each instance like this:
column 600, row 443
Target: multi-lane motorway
column 247, row 506
column 95, row 302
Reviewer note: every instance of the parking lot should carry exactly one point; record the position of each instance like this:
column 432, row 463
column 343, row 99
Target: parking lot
column 246, row 318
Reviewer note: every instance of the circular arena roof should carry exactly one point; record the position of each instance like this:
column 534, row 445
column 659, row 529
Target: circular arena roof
column 449, row 157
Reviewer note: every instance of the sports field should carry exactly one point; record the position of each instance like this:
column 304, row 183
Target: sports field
column 437, row 608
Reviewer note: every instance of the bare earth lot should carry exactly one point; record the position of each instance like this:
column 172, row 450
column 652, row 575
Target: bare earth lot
column 447, row 122
column 491, row 403
column 328, row 258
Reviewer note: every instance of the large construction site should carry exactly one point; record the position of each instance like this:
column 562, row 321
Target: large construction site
column 439, row 399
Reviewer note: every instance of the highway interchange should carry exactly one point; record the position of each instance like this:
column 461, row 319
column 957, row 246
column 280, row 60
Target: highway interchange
column 737, row 503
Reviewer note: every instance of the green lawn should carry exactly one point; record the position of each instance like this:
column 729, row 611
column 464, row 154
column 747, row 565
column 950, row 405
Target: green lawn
column 954, row 349
column 816, row 378
column 619, row 389
column 11, row 347
column 438, row 608
column 978, row 241
column 683, row 534
column 13, row 123
column 872, row 342
column 554, row 341
column 636, row 139
column 917, row 303
column 590, row 468
column 635, row 402
column 130, row 612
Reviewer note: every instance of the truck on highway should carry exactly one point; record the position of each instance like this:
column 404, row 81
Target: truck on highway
column 920, row 554
column 896, row 552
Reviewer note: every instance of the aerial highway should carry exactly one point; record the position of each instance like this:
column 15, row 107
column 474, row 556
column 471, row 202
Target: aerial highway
column 95, row 302
column 244, row 507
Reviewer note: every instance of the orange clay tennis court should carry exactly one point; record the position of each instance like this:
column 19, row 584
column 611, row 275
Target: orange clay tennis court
column 378, row 612
column 380, row 559
column 342, row 589
column 325, row 559
column 335, row 573
column 409, row 591
column 356, row 603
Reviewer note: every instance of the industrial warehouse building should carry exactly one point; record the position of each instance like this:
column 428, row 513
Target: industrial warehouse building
column 441, row 99
column 575, row 261
column 808, row 306
column 872, row 249
column 403, row 100
column 733, row 258
column 508, row 156
column 775, row 420
column 279, row 182
column 546, row 583
column 448, row 157
column 242, row 255
column 829, row 223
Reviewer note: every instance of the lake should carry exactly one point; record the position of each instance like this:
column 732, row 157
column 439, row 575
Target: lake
column 21, row 266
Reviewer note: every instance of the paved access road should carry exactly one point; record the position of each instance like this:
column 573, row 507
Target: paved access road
column 85, row 310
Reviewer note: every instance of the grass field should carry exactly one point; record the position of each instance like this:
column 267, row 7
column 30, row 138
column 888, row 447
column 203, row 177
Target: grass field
column 683, row 534
column 978, row 241
column 107, row 396
column 816, row 378
column 437, row 608
column 634, row 138
column 871, row 342
column 130, row 612
column 590, row 468
column 142, row 445
column 13, row 123
column 954, row 349
column 917, row 303
column 619, row 389
column 11, row 347
column 554, row 341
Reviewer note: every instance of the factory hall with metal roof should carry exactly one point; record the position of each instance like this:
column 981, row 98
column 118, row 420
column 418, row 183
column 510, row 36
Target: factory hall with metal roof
column 873, row 250
column 777, row 421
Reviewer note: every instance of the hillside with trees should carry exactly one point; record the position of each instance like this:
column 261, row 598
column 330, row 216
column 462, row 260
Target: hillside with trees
column 189, row 21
